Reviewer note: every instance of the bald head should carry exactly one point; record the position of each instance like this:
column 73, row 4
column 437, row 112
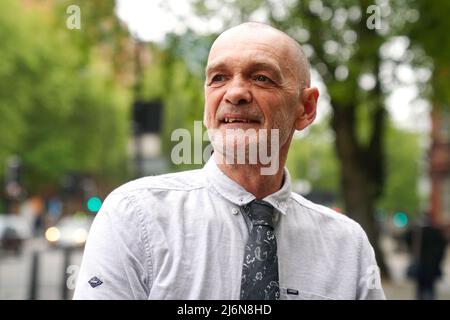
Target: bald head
column 257, row 77
column 256, row 30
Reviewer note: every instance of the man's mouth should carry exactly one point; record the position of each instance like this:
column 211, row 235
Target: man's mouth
column 237, row 120
column 233, row 120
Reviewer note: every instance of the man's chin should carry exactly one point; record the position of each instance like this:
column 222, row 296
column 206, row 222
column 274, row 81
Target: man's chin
column 244, row 146
column 237, row 153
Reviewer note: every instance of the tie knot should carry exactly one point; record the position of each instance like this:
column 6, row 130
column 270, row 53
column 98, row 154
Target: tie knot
column 261, row 213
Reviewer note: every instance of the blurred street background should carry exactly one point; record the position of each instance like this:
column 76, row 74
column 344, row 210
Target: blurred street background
column 91, row 92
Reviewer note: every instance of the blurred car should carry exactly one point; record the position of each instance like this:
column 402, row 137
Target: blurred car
column 69, row 231
column 14, row 230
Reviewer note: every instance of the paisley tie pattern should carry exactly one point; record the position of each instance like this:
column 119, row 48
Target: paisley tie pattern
column 260, row 268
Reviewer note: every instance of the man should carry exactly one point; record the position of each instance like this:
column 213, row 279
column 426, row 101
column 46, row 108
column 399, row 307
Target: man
column 427, row 244
column 232, row 230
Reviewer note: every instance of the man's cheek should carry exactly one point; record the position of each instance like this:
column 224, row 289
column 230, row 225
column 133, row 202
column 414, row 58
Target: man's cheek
column 208, row 117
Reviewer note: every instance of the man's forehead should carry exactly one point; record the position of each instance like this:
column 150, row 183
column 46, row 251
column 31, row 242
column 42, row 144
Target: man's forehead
column 251, row 51
column 246, row 45
column 249, row 36
column 246, row 37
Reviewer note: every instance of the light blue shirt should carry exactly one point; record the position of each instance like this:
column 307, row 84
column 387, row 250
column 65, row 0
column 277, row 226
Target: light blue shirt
column 182, row 236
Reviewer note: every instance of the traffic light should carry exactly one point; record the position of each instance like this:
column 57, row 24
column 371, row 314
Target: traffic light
column 400, row 219
column 94, row 204
column 147, row 116
column 13, row 177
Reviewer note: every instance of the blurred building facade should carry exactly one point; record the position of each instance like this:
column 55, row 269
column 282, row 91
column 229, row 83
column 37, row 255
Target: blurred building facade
column 440, row 166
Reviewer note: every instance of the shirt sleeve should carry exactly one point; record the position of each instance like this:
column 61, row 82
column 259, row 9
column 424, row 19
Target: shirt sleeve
column 115, row 264
column 369, row 284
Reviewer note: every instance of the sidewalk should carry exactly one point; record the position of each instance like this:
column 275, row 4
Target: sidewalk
column 406, row 290
column 399, row 287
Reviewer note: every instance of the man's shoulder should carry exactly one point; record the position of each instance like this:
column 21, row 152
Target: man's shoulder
column 325, row 214
column 183, row 180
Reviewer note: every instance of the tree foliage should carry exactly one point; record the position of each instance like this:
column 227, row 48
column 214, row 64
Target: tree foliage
column 312, row 158
column 428, row 35
column 59, row 112
column 176, row 77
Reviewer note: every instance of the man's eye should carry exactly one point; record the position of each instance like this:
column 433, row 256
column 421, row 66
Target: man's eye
column 262, row 78
column 217, row 77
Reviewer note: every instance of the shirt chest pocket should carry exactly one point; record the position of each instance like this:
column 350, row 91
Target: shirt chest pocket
column 295, row 294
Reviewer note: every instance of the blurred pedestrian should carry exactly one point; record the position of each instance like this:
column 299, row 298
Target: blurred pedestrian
column 427, row 244
column 33, row 210
column 54, row 210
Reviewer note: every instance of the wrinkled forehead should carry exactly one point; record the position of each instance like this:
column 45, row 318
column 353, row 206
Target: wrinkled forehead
column 239, row 39
column 264, row 42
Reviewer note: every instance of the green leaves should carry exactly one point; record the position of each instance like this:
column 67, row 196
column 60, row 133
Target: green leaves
column 58, row 111
column 429, row 34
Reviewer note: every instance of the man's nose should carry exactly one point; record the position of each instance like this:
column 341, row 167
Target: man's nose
column 238, row 92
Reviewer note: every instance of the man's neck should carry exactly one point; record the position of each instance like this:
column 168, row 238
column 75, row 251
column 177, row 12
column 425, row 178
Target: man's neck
column 250, row 178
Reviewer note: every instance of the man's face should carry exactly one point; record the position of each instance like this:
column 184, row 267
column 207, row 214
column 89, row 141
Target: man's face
column 252, row 83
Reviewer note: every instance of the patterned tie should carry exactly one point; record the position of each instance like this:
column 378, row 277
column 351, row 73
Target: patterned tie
column 260, row 270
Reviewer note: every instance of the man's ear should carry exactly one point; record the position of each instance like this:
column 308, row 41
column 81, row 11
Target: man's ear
column 309, row 97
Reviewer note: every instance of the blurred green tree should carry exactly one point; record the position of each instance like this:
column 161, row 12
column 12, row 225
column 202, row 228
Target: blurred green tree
column 15, row 59
column 103, row 34
column 312, row 158
column 176, row 77
column 426, row 35
column 58, row 111
column 403, row 164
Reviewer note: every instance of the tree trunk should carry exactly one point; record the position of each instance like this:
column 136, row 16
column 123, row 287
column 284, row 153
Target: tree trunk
column 361, row 171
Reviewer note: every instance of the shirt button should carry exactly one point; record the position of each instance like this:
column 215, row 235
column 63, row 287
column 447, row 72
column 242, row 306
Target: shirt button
column 235, row 211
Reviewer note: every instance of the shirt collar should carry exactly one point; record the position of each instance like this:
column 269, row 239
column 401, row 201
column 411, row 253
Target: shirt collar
column 235, row 193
